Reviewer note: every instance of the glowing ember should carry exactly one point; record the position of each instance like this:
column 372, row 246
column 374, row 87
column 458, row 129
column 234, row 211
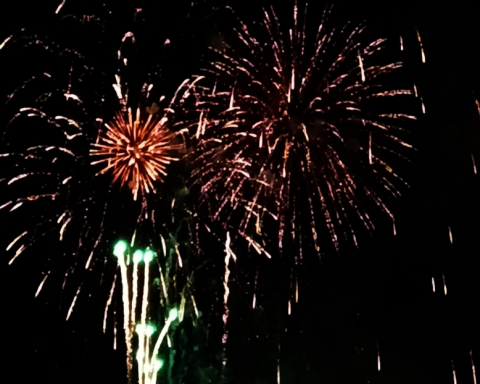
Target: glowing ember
column 137, row 152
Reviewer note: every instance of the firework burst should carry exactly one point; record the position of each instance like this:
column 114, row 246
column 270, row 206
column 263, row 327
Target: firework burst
column 138, row 152
column 148, row 304
column 303, row 136
column 54, row 144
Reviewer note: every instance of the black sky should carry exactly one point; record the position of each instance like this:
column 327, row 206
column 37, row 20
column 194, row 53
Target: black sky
column 381, row 293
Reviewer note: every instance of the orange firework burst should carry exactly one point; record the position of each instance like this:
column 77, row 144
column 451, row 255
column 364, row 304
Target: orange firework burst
column 137, row 152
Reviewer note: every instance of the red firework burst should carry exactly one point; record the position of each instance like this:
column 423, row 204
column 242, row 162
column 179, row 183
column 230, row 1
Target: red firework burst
column 137, row 152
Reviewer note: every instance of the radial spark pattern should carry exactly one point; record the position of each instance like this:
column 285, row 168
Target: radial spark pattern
column 54, row 143
column 136, row 151
column 304, row 134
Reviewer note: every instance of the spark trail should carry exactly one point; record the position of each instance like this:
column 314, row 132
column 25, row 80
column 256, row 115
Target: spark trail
column 137, row 152
column 302, row 138
column 56, row 141
column 139, row 309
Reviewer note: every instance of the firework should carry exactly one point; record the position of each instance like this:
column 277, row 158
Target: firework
column 138, row 152
column 302, row 138
column 139, row 309
column 54, row 145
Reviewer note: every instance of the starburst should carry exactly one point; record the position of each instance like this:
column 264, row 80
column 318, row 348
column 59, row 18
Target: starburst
column 304, row 136
column 136, row 151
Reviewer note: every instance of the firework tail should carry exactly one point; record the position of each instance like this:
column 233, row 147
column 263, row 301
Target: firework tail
column 229, row 255
column 119, row 252
column 148, row 362
column 276, row 146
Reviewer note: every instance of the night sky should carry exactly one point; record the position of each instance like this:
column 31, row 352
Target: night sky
column 377, row 298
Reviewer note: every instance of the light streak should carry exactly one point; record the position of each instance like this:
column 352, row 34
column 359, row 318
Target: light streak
column 67, row 113
column 41, row 285
column 421, row 46
column 473, row 369
column 16, row 206
column 19, row 251
column 70, row 310
column 271, row 134
column 378, row 357
column 109, row 301
column 5, row 41
column 360, row 63
column 15, row 240
column 454, row 374
column 142, row 337
column 136, row 308
column 60, row 7
column 136, row 151
column 229, row 254
column 120, row 253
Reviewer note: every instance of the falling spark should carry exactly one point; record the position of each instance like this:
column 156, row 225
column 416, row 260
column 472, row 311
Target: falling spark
column 143, row 338
column 370, row 148
column 62, row 229
column 109, row 301
column 15, row 240
column 272, row 131
column 41, row 285
column 19, row 251
column 474, row 167
column 136, row 307
column 181, row 311
column 89, row 260
column 433, row 284
column 194, row 305
column 255, row 290
column 229, row 254
column 164, row 287
column 5, row 41
column 73, row 302
column 135, row 289
column 450, row 235
column 177, row 252
column 60, row 7
column 114, row 329
column 378, row 357
column 296, row 291
column 164, row 249
column 5, row 205
column 136, row 151
column 454, row 374
column 121, row 256
column 81, row 195
column 401, row 43
column 444, row 285
column 16, row 206
column 473, row 369
column 361, row 66
column 278, row 371
column 421, row 46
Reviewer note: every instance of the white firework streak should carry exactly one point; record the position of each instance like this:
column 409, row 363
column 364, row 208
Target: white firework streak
column 273, row 139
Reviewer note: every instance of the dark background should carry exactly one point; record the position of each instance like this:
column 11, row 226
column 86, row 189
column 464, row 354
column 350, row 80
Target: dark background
column 381, row 293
